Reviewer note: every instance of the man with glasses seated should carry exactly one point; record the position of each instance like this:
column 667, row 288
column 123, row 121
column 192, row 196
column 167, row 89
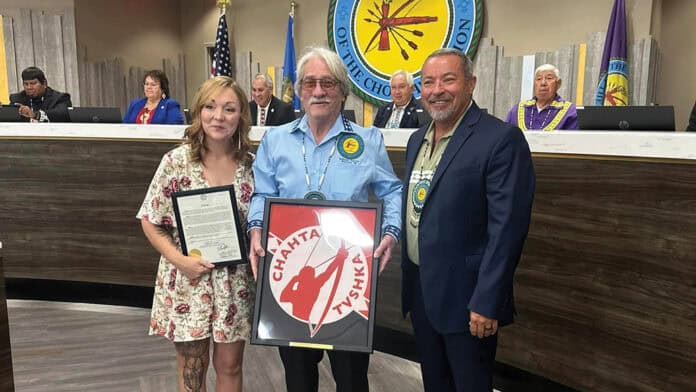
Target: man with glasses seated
column 322, row 155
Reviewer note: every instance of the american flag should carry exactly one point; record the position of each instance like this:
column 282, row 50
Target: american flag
column 221, row 56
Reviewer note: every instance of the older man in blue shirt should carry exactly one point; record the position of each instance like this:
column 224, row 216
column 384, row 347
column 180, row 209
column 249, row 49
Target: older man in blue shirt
column 324, row 156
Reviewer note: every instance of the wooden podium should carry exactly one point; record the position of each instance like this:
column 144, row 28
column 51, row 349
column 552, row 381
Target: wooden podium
column 6, row 378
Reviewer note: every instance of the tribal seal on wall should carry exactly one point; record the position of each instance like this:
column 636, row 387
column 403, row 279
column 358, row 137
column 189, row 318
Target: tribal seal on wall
column 376, row 38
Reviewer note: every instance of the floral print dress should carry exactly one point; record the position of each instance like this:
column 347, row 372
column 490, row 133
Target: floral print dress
column 219, row 303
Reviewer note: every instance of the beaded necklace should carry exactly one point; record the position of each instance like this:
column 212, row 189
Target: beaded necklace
column 421, row 188
column 534, row 116
column 317, row 194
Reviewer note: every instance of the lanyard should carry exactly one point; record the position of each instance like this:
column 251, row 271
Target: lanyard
column 317, row 194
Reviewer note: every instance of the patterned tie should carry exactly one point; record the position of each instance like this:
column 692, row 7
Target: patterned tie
column 262, row 117
column 396, row 118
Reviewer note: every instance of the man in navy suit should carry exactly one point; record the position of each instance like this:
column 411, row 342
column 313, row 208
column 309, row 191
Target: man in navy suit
column 405, row 111
column 470, row 183
column 266, row 109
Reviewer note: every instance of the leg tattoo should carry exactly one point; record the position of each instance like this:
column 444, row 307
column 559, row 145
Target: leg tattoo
column 196, row 356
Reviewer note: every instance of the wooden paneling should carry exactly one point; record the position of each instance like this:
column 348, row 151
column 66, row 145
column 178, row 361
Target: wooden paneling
column 45, row 39
column 72, row 81
column 48, row 47
column 24, row 44
column 243, row 72
column 6, row 374
column 605, row 290
column 68, row 209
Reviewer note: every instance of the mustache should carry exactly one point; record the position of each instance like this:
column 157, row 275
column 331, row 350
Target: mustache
column 439, row 97
column 314, row 100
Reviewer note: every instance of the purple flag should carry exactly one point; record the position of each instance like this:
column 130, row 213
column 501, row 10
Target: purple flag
column 612, row 89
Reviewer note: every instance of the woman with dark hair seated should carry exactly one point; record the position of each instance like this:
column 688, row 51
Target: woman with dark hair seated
column 156, row 107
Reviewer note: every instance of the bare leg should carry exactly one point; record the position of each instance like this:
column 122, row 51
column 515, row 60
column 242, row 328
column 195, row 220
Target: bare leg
column 227, row 361
column 192, row 359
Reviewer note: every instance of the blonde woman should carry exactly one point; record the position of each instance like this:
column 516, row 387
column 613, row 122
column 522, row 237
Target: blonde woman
column 194, row 301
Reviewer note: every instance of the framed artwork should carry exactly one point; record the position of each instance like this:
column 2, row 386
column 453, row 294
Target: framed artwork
column 316, row 284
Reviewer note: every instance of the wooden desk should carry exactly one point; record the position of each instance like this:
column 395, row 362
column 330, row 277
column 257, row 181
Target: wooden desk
column 6, row 375
column 605, row 290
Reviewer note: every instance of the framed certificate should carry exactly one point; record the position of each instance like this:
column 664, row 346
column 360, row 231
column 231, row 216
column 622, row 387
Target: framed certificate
column 316, row 285
column 208, row 225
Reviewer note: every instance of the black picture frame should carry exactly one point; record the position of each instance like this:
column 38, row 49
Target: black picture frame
column 300, row 300
column 241, row 254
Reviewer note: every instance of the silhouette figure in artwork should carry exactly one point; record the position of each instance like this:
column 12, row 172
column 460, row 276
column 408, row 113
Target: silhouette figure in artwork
column 302, row 291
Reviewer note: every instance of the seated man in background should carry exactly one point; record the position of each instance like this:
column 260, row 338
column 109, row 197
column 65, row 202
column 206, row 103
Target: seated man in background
column 266, row 109
column 546, row 110
column 405, row 111
column 38, row 102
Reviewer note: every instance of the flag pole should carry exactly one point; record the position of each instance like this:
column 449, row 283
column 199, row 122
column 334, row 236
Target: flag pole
column 223, row 4
column 289, row 61
column 221, row 64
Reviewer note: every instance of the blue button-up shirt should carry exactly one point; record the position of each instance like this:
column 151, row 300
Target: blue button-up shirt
column 279, row 170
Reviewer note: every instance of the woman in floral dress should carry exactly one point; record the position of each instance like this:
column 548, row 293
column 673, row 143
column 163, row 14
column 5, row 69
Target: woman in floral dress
column 194, row 301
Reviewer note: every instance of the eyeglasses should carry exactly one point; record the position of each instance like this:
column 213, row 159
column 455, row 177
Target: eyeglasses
column 326, row 84
column 151, row 84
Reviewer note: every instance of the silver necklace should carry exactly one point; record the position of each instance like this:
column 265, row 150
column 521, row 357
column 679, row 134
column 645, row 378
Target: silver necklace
column 533, row 116
column 317, row 194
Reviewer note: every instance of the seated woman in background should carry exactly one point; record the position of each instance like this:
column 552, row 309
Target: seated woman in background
column 155, row 108
column 546, row 110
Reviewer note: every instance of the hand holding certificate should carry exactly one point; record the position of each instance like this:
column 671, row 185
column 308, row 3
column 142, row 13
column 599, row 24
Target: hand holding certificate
column 208, row 225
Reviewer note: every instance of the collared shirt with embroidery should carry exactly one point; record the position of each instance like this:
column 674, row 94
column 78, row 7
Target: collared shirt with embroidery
column 279, row 170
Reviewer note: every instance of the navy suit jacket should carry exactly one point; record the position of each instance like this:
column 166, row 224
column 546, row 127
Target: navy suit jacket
column 279, row 112
column 414, row 115
column 168, row 111
column 473, row 224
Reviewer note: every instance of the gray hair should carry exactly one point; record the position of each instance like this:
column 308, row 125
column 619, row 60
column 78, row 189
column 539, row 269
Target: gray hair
column 548, row 67
column 266, row 79
column 333, row 62
column 405, row 74
column 467, row 65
